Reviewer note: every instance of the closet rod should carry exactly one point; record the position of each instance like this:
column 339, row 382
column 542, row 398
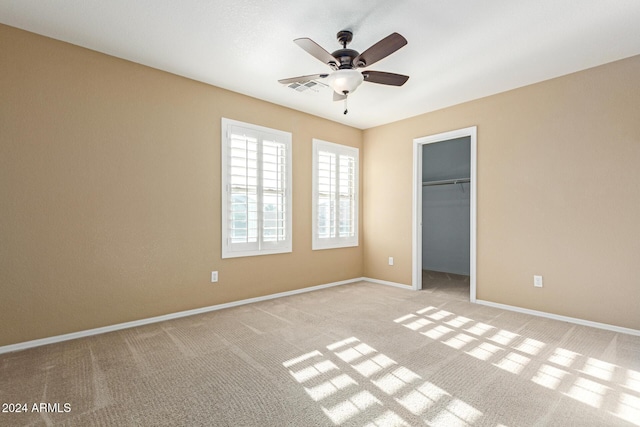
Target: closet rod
column 446, row 181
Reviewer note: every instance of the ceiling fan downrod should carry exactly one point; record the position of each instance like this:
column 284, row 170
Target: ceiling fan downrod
column 344, row 37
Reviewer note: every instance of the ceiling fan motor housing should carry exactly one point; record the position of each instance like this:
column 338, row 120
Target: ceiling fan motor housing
column 346, row 57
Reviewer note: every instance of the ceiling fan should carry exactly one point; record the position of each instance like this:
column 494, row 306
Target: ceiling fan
column 344, row 62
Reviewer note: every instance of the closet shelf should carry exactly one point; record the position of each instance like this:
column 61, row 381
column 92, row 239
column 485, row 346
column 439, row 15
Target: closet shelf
column 446, row 181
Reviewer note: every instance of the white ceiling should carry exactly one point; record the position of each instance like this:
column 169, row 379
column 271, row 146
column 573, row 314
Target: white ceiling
column 458, row 50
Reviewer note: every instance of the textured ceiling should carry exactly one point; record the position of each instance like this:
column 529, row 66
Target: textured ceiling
column 458, row 50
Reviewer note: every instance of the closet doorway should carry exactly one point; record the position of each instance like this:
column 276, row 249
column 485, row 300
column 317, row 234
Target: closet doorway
column 444, row 210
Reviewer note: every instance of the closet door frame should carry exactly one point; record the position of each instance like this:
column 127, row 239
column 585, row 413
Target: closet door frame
column 470, row 132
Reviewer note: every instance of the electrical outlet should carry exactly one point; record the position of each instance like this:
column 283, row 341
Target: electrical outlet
column 537, row 281
column 214, row 276
column 390, row 260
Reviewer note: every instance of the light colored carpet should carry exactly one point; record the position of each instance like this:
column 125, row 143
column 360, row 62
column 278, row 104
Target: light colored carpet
column 360, row 354
column 454, row 286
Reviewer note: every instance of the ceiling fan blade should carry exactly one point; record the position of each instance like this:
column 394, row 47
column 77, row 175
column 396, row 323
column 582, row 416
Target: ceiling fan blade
column 383, row 78
column 338, row 96
column 380, row 50
column 315, row 50
column 302, row 79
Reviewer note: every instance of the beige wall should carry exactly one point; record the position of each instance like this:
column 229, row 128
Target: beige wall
column 110, row 193
column 558, row 194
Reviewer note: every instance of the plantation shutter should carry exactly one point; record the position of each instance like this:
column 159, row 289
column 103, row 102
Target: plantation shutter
column 335, row 203
column 257, row 216
column 346, row 196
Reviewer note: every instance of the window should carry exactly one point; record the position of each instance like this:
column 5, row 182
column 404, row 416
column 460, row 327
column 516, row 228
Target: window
column 335, row 195
column 256, row 190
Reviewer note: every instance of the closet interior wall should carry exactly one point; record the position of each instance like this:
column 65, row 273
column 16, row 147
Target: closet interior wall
column 446, row 168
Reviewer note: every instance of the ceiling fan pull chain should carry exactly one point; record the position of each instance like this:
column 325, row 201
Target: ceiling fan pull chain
column 345, row 104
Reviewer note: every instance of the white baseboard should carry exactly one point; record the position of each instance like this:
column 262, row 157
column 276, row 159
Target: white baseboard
column 387, row 283
column 89, row 332
column 582, row 322
column 96, row 331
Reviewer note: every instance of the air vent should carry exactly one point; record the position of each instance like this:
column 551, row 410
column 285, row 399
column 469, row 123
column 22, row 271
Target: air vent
column 312, row 86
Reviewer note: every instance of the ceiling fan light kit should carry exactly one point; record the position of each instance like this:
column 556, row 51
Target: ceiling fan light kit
column 345, row 78
column 345, row 81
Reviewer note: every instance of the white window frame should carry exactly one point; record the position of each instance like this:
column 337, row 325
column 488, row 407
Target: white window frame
column 260, row 247
column 319, row 243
